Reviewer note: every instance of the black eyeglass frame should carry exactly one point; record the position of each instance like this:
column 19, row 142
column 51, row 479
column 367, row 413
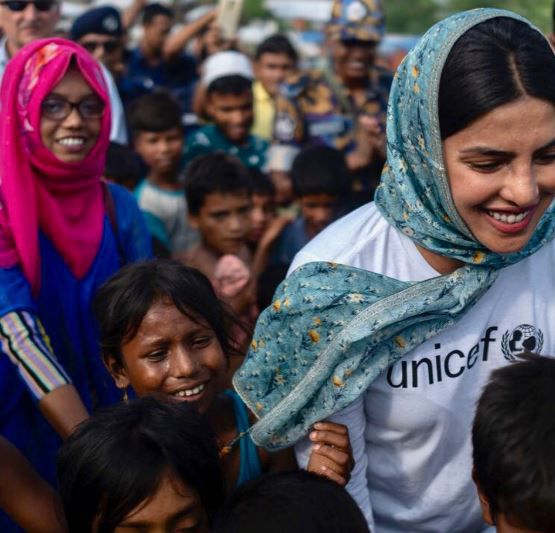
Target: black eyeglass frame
column 109, row 46
column 70, row 106
column 17, row 6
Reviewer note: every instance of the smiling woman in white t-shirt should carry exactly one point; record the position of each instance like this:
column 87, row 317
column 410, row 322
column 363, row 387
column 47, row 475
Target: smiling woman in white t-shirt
column 394, row 316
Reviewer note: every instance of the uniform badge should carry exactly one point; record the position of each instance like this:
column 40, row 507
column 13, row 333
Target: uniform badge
column 285, row 128
column 355, row 11
column 110, row 23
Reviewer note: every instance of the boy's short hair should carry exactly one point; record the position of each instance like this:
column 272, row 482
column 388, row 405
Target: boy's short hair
column 319, row 170
column 514, row 442
column 116, row 459
column 155, row 112
column 295, row 502
column 277, row 44
column 153, row 10
column 261, row 183
column 234, row 84
column 217, row 172
column 122, row 165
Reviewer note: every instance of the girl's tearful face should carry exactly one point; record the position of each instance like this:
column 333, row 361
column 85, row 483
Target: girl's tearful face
column 174, row 355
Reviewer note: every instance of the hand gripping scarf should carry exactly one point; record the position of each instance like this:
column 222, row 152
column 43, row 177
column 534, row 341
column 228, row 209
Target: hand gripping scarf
column 37, row 190
column 333, row 329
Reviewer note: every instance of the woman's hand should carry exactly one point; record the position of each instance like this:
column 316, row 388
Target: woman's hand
column 331, row 454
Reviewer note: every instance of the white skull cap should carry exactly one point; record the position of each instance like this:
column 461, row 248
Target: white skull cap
column 226, row 64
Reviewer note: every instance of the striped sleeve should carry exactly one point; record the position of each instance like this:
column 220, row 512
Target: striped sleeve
column 24, row 341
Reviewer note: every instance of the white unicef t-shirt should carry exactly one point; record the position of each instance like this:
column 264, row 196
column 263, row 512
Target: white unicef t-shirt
column 411, row 429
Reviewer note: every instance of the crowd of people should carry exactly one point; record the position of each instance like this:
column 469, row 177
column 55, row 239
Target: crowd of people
column 237, row 295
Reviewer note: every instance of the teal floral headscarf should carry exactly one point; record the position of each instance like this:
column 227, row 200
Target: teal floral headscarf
column 333, row 329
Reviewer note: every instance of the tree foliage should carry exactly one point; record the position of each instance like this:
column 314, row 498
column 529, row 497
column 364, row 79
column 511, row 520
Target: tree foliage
column 415, row 16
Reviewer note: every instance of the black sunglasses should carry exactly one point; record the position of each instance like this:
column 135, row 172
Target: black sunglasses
column 58, row 108
column 109, row 46
column 20, row 5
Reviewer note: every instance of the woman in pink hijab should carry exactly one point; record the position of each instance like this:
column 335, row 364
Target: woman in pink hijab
column 62, row 233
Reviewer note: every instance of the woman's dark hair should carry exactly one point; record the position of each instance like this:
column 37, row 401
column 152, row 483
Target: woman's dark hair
column 122, row 302
column 513, row 438
column 116, row 460
column 296, row 502
column 494, row 63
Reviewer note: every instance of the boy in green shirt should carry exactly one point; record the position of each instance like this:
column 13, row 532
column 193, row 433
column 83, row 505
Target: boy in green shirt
column 227, row 79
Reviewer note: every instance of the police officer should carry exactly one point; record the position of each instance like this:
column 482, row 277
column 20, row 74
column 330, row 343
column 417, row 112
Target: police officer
column 343, row 105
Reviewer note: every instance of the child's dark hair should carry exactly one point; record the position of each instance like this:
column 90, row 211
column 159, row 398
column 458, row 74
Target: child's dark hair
column 233, row 84
column 116, row 460
column 216, row 172
column 514, row 442
column 154, row 112
column 153, row 10
column 277, row 44
column 296, row 502
column 122, row 166
column 122, row 302
column 320, row 170
column 261, row 183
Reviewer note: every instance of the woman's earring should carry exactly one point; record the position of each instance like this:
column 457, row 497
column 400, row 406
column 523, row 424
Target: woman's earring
column 125, row 397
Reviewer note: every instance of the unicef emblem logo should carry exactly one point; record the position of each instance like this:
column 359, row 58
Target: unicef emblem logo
column 524, row 338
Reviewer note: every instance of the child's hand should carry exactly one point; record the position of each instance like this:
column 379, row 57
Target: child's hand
column 331, row 455
column 275, row 228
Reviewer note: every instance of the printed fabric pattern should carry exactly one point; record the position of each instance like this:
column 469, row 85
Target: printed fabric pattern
column 316, row 108
column 333, row 329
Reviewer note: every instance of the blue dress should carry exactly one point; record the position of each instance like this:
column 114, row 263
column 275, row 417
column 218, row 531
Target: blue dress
column 64, row 308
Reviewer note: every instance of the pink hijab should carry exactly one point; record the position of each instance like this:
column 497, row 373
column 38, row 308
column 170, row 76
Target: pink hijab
column 37, row 190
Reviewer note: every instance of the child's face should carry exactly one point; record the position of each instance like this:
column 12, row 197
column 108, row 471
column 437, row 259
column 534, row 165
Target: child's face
column 263, row 212
column 175, row 506
column 161, row 151
column 272, row 70
column 171, row 355
column 224, row 221
column 317, row 211
column 284, row 187
column 232, row 113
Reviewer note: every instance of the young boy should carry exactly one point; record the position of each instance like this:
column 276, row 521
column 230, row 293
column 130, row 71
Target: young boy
column 275, row 59
column 155, row 122
column 218, row 191
column 514, row 447
column 320, row 180
column 292, row 502
column 227, row 79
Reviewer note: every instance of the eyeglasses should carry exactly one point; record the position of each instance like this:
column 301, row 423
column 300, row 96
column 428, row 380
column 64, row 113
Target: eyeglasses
column 21, row 5
column 58, row 108
column 109, row 46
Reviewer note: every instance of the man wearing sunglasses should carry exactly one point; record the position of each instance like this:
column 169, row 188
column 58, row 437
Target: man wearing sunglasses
column 343, row 105
column 100, row 32
column 25, row 21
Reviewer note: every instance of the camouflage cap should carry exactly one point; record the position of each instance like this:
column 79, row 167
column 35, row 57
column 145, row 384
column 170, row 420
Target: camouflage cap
column 361, row 20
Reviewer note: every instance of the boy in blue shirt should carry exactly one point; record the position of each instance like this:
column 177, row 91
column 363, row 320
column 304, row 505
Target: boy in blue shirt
column 320, row 180
column 155, row 122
